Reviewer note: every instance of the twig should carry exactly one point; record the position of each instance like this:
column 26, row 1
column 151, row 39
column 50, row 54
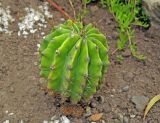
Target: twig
column 71, row 4
column 114, row 51
column 60, row 10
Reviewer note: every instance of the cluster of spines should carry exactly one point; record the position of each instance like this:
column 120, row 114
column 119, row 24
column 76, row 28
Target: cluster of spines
column 74, row 59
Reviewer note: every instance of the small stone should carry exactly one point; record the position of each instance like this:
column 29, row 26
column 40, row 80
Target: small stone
column 10, row 114
column 120, row 117
column 93, row 104
column 64, row 119
column 125, row 88
column 132, row 116
column 42, row 33
column 36, row 18
column 12, row 90
column 126, row 119
column 38, row 45
column 6, row 111
column 116, row 121
column 36, row 63
column 102, row 121
column 45, row 121
column 140, row 102
column 51, row 121
column 126, row 53
column 94, row 8
column 62, row 19
column 21, row 121
column 54, row 117
column 56, row 121
column 88, row 112
column 7, row 121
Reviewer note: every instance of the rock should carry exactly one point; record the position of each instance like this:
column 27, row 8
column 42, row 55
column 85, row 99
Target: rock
column 116, row 121
column 128, row 76
column 94, row 8
column 140, row 102
column 93, row 104
column 102, row 121
column 45, row 121
column 7, row 121
column 132, row 116
column 10, row 114
column 120, row 117
column 64, row 119
column 125, row 88
column 126, row 53
column 88, row 112
column 12, row 90
column 126, row 119
column 152, row 7
column 21, row 121
column 54, row 117
column 56, row 121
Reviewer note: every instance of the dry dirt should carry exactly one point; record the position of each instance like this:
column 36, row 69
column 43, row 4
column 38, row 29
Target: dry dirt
column 20, row 91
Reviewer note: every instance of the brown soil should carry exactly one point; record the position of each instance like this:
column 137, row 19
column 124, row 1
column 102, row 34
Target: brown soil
column 20, row 90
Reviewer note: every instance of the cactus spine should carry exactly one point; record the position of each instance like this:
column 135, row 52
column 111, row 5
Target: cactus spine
column 74, row 59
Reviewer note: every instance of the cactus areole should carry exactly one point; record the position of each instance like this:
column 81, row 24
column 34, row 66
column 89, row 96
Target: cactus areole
column 74, row 59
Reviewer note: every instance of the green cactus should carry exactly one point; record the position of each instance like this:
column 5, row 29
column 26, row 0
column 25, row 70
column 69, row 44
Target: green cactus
column 74, row 59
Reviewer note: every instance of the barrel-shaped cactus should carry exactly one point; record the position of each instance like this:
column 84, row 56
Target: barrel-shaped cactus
column 74, row 59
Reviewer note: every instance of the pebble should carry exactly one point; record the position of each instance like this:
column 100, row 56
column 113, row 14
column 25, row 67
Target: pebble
column 88, row 112
column 7, row 121
column 45, row 121
column 5, row 19
column 12, row 90
column 140, row 102
column 120, row 117
column 64, row 119
column 10, row 114
column 126, row 119
column 125, row 88
column 132, row 116
column 93, row 104
column 126, row 53
column 34, row 20
column 56, row 121
column 21, row 121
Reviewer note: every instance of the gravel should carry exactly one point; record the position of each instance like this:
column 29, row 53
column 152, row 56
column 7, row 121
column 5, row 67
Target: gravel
column 5, row 19
column 34, row 20
column 125, row 88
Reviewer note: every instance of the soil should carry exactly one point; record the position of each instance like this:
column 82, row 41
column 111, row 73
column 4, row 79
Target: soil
column 20, row 90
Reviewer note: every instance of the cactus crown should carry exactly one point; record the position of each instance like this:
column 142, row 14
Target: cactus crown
column 74, row 59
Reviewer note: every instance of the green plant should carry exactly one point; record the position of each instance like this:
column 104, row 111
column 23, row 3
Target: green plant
column 74, row 59
column 119, row 58
column 127, row 14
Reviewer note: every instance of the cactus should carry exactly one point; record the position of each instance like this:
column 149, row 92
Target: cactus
column 74, row 59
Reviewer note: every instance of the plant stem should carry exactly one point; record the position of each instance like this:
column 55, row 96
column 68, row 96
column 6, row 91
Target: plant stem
column 60, row 10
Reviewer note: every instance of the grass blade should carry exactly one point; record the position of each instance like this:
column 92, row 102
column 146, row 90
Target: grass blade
column 150, row 104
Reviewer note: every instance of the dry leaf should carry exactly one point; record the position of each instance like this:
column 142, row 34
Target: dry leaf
column 150, row 104
column 73, row 110
column 95, row 117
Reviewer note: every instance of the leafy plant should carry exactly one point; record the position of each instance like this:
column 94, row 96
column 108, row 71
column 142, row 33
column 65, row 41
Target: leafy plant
column 119, row 58
column 127, row 14
column 74, row 59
